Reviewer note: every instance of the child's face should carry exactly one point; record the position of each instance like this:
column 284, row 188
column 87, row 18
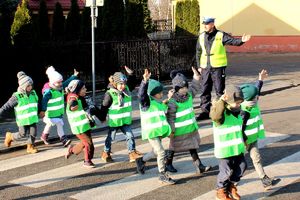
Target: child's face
column 121, row 87
column 183, row 90
column 236, row 104
column 29, row 88
column 82, row 91
column 159, row 95
column 58, row 84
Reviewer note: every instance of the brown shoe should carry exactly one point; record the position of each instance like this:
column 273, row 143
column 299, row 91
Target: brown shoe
column 222, row 194
column 8, row 139
column 134, row 155
column 106, row 157
column 31, row 149
column 233, row 192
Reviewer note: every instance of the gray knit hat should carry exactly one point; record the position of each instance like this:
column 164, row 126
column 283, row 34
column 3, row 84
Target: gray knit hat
column 234, row 94
column 119, row 78
column 178, row 80
column 24, row 80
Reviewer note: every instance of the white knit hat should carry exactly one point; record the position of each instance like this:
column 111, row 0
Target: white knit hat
column 53, row 75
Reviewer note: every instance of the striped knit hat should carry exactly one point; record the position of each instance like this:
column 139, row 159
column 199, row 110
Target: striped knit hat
column 24, row 80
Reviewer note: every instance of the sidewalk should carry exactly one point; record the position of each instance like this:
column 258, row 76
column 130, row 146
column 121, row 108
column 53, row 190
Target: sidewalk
column 275, row 82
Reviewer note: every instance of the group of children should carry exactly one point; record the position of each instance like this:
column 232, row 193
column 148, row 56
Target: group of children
column 237, row 122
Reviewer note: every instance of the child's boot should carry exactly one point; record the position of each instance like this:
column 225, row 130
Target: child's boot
column 134, row 155
column 169, row 162
column 200, row 168
column 165, row 179
column 31, row 149
column 106, row 157
column 44, row 138
column 233, row 191
column 269, row 182
column 222, row 194
column 8, row 139
column 140, row 165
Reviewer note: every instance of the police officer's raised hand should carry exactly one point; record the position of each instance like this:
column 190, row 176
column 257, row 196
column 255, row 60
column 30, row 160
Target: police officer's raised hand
column 196, row 73
column 146, row 75
column 263, row 75
column 246, row 38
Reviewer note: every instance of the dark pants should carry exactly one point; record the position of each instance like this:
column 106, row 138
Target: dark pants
column 231, row 170
column 85, row 143
column 211, row 77
column 29, row 130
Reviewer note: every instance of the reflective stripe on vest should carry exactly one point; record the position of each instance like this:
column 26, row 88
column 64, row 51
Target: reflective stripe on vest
column 117, row 115
column 78, row 120
column 254, row 126
column 228, row 138
column 55, row 106
column 27, row 109
column 217, row 54
column 185, row 122
column 154, row 122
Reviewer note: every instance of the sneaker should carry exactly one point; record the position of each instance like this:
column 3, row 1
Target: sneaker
column 170, row 168
column 165, row 179
column 106, row 157
column 66, row 142
column 69, row 152
column 140, row 165
column 8, row 139
column 202, row 116
column 44, row 138
column 89, row 164
column 200, row 168
column 134, row 155
column 268, row 182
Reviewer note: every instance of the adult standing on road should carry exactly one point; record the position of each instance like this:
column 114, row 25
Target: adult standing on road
column 212, row 61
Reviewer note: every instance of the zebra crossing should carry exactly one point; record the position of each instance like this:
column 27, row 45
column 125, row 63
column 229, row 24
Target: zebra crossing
column 249, row 187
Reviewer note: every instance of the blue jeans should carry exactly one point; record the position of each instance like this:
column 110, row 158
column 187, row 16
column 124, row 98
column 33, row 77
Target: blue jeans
column 126, row 129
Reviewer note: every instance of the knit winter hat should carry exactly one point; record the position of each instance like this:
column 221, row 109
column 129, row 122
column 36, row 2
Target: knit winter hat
column 75, row 86
column 24, row 80
column 234, row 94
column 178, row 80
column 154, row 87
column 119, row 78
column 53, row 75
column 249, row 91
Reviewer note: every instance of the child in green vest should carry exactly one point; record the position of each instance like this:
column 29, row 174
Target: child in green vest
column 79, row 121
column 229, row 145
column 154, row 124
column 25, row 104
column 52, row 105
column 181, row 117
column 253, row 127
column 117, row 105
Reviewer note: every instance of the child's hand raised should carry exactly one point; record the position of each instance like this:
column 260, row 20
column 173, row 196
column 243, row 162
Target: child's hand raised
column 170, row 93
column 128, row 70
column 263, row 75
column 146, row 75
column 196, row 75
column 75, row 72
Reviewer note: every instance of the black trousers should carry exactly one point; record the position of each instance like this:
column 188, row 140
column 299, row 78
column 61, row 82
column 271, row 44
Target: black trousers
column 211, row 77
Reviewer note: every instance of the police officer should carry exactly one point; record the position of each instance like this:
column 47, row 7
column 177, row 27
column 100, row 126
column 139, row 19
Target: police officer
column 212, row 60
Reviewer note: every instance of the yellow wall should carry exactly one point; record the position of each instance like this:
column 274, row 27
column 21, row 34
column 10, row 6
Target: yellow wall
column 255, row 17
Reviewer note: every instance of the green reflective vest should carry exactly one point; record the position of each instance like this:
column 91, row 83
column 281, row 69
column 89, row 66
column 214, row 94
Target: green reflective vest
column 185, row 121
column 78, row 120
column 254, row 127
column 27, row 109
column 55, row 106
column 119, row 116
column 228, row 138
column 217, row 54
column 154, row 122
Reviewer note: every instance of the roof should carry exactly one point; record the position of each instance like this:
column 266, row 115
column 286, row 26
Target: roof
column 66, row 4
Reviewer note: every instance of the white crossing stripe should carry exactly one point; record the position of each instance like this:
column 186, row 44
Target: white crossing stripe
column 250, row 186
column 59, row 174
column 148, row 182
column 55, row 152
